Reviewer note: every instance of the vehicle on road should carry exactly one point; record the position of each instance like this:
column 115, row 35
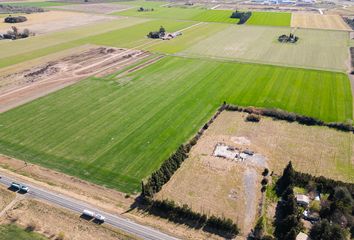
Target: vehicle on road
column 19, row 187
column 89, row 214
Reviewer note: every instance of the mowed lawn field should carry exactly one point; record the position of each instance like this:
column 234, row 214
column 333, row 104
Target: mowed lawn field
column 321, row 49
column 116, row 131
column 207, row 15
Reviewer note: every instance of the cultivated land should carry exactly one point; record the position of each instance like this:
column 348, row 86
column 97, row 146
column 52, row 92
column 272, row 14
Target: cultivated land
column 318, row 21
column 206, row 15
column 270, row 19
column 315, row 49
column 52, row 21
column 18, row 86
column 118, row 130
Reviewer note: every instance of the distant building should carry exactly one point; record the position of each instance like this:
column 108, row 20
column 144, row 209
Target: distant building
column 302, row 200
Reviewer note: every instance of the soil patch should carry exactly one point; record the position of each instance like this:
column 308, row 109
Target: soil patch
column 22, row 86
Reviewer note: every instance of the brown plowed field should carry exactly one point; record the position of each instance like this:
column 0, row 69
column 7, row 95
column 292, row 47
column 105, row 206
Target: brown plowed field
column 318, row 21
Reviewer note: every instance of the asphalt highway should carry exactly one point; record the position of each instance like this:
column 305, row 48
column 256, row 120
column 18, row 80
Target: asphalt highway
column 122, row 223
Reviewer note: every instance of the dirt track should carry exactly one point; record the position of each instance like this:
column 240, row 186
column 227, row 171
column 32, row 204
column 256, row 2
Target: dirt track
column 23, row 86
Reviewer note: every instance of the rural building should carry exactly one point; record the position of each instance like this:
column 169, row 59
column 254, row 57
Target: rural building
column 302, row 200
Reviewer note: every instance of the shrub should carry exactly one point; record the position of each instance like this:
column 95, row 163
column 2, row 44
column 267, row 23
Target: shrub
column 31, row 227
column 264, row 181
column 265, row 172
column 61, row 236
column 253, row 118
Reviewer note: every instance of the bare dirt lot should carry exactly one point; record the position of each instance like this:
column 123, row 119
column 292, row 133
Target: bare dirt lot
column 318, row 21
column 230, row 188
column 103, row 8
column 22, row 85
column 51, row 21
column 218, row 186
column 44, row 218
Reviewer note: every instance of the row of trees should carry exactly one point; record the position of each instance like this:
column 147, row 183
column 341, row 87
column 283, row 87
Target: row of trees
column 291, row 117
column 242, row 16
column 288, row 220
column 184, row 214
column 164, row 173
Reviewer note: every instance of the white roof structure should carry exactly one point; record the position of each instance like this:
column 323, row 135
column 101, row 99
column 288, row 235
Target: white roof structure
column 303, row 199
column 302, row 236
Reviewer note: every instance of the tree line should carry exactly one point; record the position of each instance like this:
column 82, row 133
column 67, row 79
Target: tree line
column 185, row 215
column 242, row 16
column 291, row 117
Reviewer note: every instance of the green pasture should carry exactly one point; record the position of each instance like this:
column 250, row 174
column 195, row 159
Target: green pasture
column 12, row 232
column 270, row 19
column 315, row 49
column 116, row 131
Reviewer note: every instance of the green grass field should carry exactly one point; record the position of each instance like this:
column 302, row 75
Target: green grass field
column 115, row 132
column 206, row 15
column 315, row 49
column 12, row 232
column 270, row 19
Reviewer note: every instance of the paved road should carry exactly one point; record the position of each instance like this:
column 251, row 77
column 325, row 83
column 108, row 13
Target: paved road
column 120, row 222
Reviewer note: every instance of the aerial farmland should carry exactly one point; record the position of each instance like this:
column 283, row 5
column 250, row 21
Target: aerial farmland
column 182, row 115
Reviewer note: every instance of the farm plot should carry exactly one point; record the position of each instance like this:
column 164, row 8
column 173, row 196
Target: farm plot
column 13, row 52
column 116, row 131
column 52, row 21
column 270, row 19
column 318, row 21
column 222, row 186
column 21, row 86
column 316, row 48
column 103, row 8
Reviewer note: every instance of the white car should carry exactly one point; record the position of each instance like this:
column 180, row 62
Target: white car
column 99, row 217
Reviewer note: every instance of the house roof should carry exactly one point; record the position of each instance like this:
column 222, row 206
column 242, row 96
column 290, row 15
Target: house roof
column 302, row 236
column 302, row 198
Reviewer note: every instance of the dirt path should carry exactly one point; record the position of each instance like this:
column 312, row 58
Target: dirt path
column 11, row 204
column 250, row 181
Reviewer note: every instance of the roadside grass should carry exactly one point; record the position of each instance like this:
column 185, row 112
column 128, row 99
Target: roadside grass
column 320, row 49
column 117, row 134
column 270, row 19
column 11, row 232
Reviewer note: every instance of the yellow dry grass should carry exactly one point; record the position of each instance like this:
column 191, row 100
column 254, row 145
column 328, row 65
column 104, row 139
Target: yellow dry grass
column 50, row 21
column 225, row 188
column 6, row 197
column 318, row 21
